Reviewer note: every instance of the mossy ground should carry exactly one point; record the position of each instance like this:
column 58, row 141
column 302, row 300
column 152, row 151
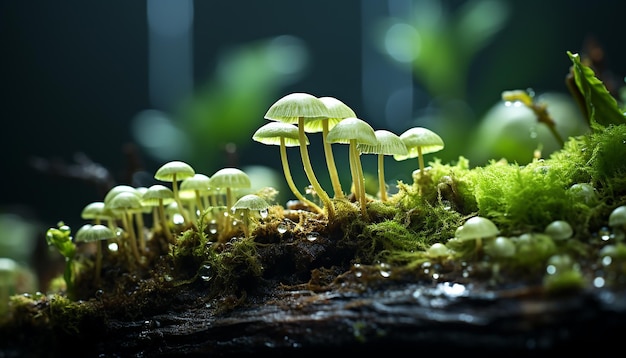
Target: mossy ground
column 295, row 248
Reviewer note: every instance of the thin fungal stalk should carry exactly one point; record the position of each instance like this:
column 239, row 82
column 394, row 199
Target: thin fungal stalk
column 308, row 169
column 381, row 177
column 359, row 179
column 289, row 178
column 330, row 162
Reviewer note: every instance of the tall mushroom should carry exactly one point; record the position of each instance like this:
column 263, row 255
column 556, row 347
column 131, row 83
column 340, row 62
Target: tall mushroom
column 159, row 196
column 337, row 111
column 420, row 141
column 354, row 131
column 388, row 144
column 229, row 179
column 284, row 135
column 199, row 185
column 300, row 108
column 174, row 172
column 95, row 233
column 127, row 204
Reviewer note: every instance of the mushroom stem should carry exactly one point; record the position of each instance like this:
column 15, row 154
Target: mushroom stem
column 98, row 261
column 289, row 178
column 183, row 212
column 330, row 162
column 132, row 238
column 381, row 178
column 308, row 169
column 359, row 180
column 420, row 160
column 164, row 225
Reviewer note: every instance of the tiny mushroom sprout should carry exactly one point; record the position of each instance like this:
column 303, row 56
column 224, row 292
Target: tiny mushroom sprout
column 159, row 196
column 285, row 135
column 229, row 179
column 96, row 233
column 559, row 230
column 95, row 211
column 388, row 144
column 617, row 221
column 420, row 141
column 174, row 172
column 354, row 131
column 337, row 111
column 249, row 205
column 477, row 228
column 300, row 108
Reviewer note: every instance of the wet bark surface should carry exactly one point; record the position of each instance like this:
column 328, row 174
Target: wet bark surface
column 406, row 318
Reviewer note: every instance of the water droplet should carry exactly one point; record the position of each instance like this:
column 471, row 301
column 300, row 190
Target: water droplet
column 178, row 219
column 282, row 228
column 168, row 278
column 384, row 269
column 357, row 270
column 598, row 282
column 213, row 227
column 264, row 213
column 113, row 247
column 205, row 272
column 99, row 294
column 604, row 233
column 312, row 236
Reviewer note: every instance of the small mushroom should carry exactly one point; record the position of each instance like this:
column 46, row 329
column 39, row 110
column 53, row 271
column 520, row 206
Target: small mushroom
column 159, row 196
column 617, row 221
column 248, row 205
column 174, row 172
column 300, row 108
column 559, row 230
column 354, row 131
column 229, row 179
column 127, row 204
column 420, row 141
column 388, row 144
column 477, row 228
column 199, row 185
column 95, row 233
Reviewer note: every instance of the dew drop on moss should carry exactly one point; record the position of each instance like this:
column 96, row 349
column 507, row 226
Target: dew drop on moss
column 282, row 228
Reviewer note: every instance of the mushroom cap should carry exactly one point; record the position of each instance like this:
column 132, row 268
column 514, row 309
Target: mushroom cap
column 388, row 144
column 271, row 133
column 198, row 181
column 176, row 168
column 250, row 202
column 118, row 189
column 475, row 228
column 90, row 233
column 618, row 216
column 230, row 178
column 125, row 201
column 95, row 210
column 291, row 107
column 352, row 128
column 501, row 247
column 421, row 137
column 337, row 111
column 155, row 194
column 559, row 230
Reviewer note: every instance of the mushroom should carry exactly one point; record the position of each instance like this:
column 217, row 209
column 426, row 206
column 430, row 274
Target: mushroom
column 248, row 205
column 173, row 172
column 420, row 141
column 354, row 131
column 95, row 233
column 199, row 185
column 159, row 196
column 284, row 135
column 388, row 144
column 127, row 204
column 617, row 221
column 337, row 111
column 559, row 230
column 229, row 179
column 477, row 228
column 300, row 108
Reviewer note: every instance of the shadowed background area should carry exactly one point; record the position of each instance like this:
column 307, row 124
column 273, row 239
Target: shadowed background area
column 103, row 93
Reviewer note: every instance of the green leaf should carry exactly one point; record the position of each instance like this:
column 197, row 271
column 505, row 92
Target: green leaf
column 601, row 107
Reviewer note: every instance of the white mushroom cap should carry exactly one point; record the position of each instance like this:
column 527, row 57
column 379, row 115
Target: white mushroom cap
column 476, row 228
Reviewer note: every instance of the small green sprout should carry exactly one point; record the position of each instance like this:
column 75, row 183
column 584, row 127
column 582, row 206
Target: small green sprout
column 60, row 237
column 300, row 108
column 355, row 131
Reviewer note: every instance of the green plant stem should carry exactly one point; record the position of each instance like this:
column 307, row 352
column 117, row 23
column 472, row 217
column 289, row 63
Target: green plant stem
column 308, row 169
column 381, row 177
